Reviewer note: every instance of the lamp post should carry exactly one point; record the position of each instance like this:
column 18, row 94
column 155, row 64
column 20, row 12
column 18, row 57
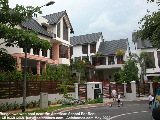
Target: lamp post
column 25, row 63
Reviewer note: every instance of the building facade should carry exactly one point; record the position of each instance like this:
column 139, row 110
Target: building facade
column 154, row 53
column 105, row 65
column 55, row 28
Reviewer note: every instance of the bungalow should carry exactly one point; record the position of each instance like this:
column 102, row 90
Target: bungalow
column 56, row 29
column 87, row 46
column 146, row 46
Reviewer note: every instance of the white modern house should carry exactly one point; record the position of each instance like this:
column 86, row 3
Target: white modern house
column 55, row 28
column 85, row 47
column 146, row 46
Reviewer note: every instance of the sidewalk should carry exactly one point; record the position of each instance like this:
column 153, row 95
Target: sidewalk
column 107, row 100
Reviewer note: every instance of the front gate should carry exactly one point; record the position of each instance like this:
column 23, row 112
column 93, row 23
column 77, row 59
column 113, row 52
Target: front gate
column 142, row 89
column 107, row 89
column 82, row 91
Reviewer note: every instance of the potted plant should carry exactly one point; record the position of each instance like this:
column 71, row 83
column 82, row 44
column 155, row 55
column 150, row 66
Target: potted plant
column 120, row 53
column 97, row 54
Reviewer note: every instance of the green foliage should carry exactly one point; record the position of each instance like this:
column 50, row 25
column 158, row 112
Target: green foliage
column 81, row 68
column 7, row 62
column 150, row 29
column 48, row 75
column 17, row 37
column 63, row 74
column 129, row 71
column 156, row 79
column 91, row 101
column 117, row 77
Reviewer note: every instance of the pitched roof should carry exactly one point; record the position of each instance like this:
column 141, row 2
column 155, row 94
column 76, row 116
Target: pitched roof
column 34, row 25
column 83, row 39
column 143, row 44
column 55, row 17
column 110, row 47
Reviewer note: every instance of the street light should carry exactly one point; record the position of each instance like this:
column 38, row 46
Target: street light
column 25, row 63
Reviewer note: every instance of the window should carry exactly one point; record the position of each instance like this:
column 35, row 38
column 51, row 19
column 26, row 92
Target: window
column 111, row 60
column 45, row 27
column 28, row 50
column 65, row 31
column 44, row 53
column 36, row 51
column 150, row 61
column 85, row 49
column 63, row 51
column 58, row 30
column 92, row 48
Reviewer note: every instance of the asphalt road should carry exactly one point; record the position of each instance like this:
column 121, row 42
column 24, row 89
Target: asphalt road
column 131, row 110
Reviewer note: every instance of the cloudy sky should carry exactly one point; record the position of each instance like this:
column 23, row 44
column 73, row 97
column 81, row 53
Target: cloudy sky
column 116, row 19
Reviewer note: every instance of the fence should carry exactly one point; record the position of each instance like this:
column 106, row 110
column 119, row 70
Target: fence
column 13, row 89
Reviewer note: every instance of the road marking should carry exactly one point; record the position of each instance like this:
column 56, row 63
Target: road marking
column 126, row 114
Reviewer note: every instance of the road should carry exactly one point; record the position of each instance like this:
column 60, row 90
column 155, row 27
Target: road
column 131, row 110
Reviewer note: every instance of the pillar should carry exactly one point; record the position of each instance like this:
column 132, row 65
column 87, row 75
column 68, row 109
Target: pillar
column 151, row 87
column 19, row 64
column 55, row 51
column 133, row 88
column 38, row 67
column 68, row 50
column 124, row 89
column 43, row 67
column 76, row 90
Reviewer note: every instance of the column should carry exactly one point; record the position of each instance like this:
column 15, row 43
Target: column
column 38, row 67
column 133, row 88
column 19, row 64
column 43, row 67
column 151, row 87
column 55, row 51
column 76, row 90
column 68, row 50
column 124, row 89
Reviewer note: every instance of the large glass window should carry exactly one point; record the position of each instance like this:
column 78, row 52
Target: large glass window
column 63, row 51
column 151, row 60
column 111, row 60
column 58, row 30
column 92, row 48
column 85, row 49
column 65, row 30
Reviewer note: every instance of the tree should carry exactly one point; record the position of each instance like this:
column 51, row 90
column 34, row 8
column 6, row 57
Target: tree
column 80, row 67
column 129, row 71
column 18, row 37
column 7, row 62
column 150, row 30
column 63, row 74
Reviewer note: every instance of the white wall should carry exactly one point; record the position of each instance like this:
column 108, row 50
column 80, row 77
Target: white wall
column 51, row 97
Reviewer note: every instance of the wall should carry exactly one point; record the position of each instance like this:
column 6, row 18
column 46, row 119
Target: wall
column 51, row 97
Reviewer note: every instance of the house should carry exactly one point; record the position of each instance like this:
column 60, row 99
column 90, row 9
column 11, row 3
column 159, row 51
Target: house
column 109, row 61
column 154, row 53
column 55, row 28
column 85, row 47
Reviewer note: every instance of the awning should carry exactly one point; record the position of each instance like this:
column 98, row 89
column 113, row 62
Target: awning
column 153, row 75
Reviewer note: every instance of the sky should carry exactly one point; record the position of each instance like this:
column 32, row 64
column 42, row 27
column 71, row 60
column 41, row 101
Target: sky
column 116, row 19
